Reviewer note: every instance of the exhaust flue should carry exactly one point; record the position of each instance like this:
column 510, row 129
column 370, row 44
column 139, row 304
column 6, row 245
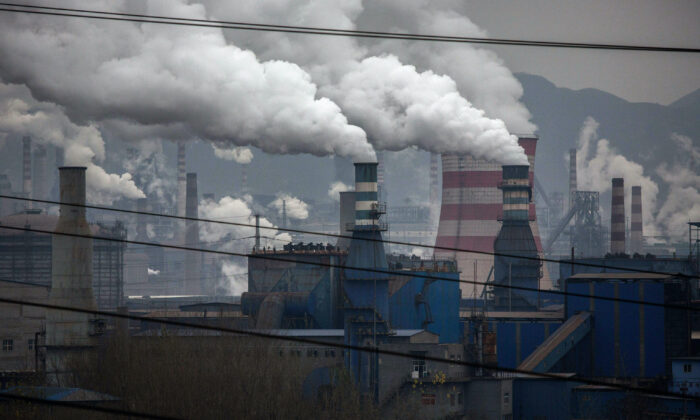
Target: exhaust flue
column 71, row 266
column 192, row 259
column 27, row 169
column 636, row 232
column 181, row 180
column 617, row 217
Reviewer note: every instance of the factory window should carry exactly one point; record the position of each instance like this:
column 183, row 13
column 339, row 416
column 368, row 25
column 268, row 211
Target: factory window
column 419, row 364
column 7, row 345
column 687, row 368
column 30, row 344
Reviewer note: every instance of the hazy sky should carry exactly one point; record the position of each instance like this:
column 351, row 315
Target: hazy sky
column 635, row 76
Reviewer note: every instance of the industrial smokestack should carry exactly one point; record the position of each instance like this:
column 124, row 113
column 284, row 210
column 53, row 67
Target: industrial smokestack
column 347, row 217
column 434, row 192
column 40, row 187
column 71, row 272
column 573, row 182
column 192, row 260
column 141, row 230
column 471, row 205
column 284, row 214
column 27, row 169
column 636, row 233
column 617, row 217
column 244, row 178
column 181, row 180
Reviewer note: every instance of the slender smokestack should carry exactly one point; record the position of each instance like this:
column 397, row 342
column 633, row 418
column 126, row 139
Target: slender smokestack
column 181, row 180
column 71, row 267
column 366, row 195
column 284, row 214
column 573, row 182
column 636, row 233
column 192, row 269
column 617, row 217
column 257, row 232
column 27, row 169
column 141, row 230
column 40, row 184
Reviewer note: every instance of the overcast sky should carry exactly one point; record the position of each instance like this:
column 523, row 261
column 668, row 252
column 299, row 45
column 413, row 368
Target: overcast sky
column 635, row 76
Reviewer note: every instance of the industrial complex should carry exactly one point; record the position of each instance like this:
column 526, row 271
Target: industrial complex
column 498, row 332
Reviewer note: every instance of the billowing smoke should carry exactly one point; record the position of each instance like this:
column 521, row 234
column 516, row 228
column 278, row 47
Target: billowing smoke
column 345, row 71
column 235, row 238
column 152, row 173
column 683, row 178
column 400, row 108
column 148, row 80
column 153, row 272
column 336, row 188
column 597, row 163
column 21, row 114
column 296, row 208
column 242, row 155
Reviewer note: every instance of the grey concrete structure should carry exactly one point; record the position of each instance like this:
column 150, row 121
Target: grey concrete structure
column 192, row 259
column 617, row 217
column 636, row 226
column 22, row 326
column 181, row 179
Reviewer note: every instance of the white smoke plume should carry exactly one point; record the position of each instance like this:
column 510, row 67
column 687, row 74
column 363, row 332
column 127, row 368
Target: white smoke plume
column 683, row 178
column 175, row 83
column 153, row 272
column 242, row 155
column 235, row 278
column 296, row 208
column 597, row 163
column 21, row 114
column 400, row 107
column 348, row 71
column 152, row 173
column 235, row 238
column 336, row 188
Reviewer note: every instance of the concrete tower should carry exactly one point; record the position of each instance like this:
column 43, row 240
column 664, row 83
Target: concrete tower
column 192, row 258
column 181, row 180
column 27, row 169
column 471, row 208
column 636, row 228
column 617, row 217
column 434, row 187
column 71, row 275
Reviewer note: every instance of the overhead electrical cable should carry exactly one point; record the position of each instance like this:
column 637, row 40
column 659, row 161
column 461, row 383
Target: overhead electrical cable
column 340, row 236
column 250, row 26
column 373, row 349
column 263, row 256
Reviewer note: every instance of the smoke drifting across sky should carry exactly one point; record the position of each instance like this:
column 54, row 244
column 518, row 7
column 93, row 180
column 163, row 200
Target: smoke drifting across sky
column 288, row 94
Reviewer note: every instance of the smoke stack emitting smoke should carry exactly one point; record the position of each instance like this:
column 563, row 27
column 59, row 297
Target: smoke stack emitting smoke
column 27, row 169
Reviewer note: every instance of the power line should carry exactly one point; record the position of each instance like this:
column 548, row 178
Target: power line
column 82, row 406
column 340, row 236
column 248, row 26
column 373, row 349
column 365, row 269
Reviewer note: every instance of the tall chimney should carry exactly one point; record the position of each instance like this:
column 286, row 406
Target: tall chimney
column 284, row 214
column 381, row 191
column 244, row 178
column 27, row 169
column 617, row 217
column 181, row 180
column 192, row 260
column 257, row 232
column 573, row 182
column 434, row 187
column 71, row 269
column 40, row 187
column 636, row 233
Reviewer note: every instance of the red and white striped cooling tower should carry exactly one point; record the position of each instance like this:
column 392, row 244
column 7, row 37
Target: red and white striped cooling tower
column 472, row 205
